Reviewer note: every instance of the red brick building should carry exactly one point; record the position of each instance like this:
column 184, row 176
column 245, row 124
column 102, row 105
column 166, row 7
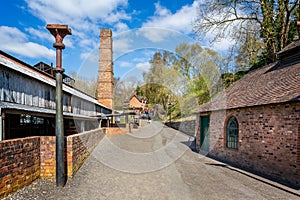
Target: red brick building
column 137, row 102
column 255, row 123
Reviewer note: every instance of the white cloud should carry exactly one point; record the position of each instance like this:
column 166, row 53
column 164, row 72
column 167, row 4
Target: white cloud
column 141, row 59
column 84, row 17
column 124, row 64
column 121, row 46
column 116, row 17
column 9, row 33
column 161, row 11
column 120, row 27
column 15, row 41
column 78, row 13
column 145, row 66
column 223, row 45
column 92, row 56
column 154, row 34
column 88, row 43
column 41, row 33
column 180, row 21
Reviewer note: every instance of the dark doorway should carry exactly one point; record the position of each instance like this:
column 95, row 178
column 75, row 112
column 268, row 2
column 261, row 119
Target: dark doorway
column 204, row 133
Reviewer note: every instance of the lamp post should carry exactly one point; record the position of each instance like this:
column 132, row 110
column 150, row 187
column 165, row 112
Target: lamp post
column 59, row 32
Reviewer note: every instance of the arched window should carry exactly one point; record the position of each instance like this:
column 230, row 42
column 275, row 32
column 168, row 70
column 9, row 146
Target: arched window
column 232, row 133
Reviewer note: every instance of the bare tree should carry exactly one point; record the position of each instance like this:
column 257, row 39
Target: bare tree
column 86, row 85
column 262, row 26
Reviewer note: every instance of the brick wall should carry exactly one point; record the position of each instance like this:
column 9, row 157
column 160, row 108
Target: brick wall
column 115, row 130
column 26, row 159
column 48, row 156
column 268, row 140
column 79, row 147
column 19, row 163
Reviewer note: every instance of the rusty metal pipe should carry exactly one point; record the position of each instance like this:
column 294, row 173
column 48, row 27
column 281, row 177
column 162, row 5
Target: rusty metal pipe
column 59, row 131
column 58, row 58
column 59, row 32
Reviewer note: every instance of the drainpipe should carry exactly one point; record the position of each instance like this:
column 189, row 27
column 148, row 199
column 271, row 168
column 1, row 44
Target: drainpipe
column 59, row 32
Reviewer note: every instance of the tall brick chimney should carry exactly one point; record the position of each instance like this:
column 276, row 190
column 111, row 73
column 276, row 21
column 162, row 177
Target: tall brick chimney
column 105, row 71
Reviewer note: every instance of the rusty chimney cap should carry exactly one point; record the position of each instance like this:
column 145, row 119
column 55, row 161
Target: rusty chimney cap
column 59, row 28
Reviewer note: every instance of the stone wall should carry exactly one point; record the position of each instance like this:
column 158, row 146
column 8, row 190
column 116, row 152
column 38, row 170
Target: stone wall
column 269, row 140
column 19, row 163
column 187, row 127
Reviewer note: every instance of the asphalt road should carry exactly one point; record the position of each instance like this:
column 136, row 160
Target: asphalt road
column 155, row 162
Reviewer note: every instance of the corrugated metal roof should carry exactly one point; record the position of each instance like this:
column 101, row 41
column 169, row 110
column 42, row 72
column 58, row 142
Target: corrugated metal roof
column 26, row 69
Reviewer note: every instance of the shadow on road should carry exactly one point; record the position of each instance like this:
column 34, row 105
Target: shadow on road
column 191, row 144
column 257, row 178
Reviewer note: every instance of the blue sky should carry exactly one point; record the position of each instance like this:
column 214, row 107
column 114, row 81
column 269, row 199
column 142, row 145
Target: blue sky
column 139, row 29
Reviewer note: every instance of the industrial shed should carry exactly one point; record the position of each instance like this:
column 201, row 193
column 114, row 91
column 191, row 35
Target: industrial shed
column 27, row 101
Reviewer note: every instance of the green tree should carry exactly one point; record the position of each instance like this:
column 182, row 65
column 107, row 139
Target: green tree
column 139, row 91
column 162, row 79
column 184, row 79
column 201, row 68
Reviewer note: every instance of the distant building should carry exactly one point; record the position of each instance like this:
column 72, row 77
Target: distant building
column 137, row 103
column 255, row 123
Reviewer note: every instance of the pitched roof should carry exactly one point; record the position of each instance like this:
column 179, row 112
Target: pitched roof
column 139, row 98
column 287, row 49
column 271, row 84
column 28, row 70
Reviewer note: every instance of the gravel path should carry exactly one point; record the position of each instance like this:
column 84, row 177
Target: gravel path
column 143, row 165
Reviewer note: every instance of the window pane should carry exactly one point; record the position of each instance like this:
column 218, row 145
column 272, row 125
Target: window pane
column 232, row 133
